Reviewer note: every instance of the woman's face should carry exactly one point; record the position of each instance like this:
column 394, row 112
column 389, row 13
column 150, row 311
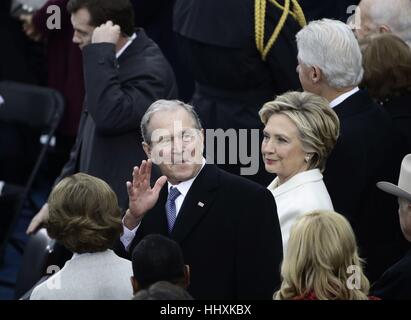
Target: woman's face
column 281, row 148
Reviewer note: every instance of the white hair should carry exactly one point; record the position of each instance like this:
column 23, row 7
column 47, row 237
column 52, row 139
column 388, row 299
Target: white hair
column 396, row 14
column 331, row 46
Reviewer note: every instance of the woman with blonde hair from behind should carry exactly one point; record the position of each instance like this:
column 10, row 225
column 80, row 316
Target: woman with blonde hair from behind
column 322, row 261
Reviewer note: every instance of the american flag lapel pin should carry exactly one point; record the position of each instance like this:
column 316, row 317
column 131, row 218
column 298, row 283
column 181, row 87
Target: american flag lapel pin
column 200, row 204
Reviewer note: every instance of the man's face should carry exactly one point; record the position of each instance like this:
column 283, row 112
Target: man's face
column 366, row 26
column 176, row 145
column 82, row 29
column 404, row 212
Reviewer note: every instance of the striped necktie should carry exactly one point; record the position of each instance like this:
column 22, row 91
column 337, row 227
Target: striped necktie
column 171, row 208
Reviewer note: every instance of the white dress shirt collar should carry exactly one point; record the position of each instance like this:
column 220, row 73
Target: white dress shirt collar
column 130, row 40
column 184, row 186
column 342, row 97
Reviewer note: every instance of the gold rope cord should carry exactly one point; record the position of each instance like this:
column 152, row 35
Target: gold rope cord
column 260, row 13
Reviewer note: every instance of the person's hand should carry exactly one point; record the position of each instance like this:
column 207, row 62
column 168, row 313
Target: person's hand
column 38, row 220
column 107, row 32
column 29, row 28
column 140, row 194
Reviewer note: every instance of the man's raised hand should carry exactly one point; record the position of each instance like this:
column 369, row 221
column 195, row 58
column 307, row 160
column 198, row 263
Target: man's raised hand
column 142, row 197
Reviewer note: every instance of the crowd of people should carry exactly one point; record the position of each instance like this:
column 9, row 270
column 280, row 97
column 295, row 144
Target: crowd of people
column 145, row 203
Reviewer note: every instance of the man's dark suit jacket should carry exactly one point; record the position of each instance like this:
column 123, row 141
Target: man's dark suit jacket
column 232, row 242
column 395, row 282
column 118, row 93
column 367, row 151
column 319, row 9
column 399, row 109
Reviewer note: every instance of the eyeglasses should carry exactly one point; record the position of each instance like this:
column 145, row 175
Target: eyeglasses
column 186, row 137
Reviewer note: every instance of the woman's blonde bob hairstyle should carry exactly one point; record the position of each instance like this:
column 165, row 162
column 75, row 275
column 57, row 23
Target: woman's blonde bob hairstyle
column 320, row 259
column 317, row 123
column 84, row 214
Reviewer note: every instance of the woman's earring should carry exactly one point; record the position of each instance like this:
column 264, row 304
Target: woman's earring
column 307, row 158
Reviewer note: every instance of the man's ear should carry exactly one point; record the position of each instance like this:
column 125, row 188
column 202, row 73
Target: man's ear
column 384, row 29
column 147, row 149
column 316, row 74
column 186, row 276
column 134, row 284
column 202, row 136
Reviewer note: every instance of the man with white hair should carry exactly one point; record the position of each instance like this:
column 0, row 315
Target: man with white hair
column 380, row 16
column 367, row 151
column 396, row 281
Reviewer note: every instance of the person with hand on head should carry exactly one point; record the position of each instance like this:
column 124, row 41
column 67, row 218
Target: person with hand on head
column 124, row 73
column 226, row 226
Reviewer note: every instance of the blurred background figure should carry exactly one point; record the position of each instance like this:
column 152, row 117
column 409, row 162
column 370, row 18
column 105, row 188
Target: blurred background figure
column 64, row 64
column 64, row 73
column 381, row 16
column 322, row 261
column 300, row 132
column 21, row 59
column 241, row 54
column 85, row 217
column 387, row 77
column 163, row 290
column 157, row 258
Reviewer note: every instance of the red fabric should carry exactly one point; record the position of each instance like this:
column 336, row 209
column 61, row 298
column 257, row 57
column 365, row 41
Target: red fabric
column 312, row 296
column 309, row 296
column 64, row 65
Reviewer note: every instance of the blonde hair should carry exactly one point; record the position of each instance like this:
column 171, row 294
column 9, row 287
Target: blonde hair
column 317, row 123
column 321, row 248
column 291, row 7
column 84, row 214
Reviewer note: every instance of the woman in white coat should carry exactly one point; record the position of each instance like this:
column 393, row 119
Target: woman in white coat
column 300, row 131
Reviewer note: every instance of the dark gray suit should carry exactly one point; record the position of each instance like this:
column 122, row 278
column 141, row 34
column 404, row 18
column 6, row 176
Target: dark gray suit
column 368, row 150
column 118, row 92
column 395, row 283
